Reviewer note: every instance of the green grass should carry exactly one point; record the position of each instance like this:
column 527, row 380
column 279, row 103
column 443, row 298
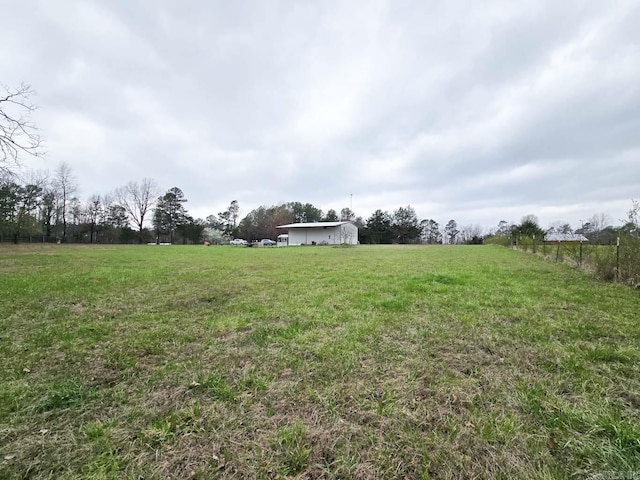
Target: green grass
column 367, row 362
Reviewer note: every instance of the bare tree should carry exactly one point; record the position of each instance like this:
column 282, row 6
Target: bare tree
column 93, row 210
column 18, row 134
column 559, row 226
column 633, row 218
column 137, row 199
column 598, row 223
column 65, row 184
column 75, row 210
column 504, row 229
column 471, row 234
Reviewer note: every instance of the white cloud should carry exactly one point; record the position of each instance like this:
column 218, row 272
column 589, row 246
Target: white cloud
column 478, row 112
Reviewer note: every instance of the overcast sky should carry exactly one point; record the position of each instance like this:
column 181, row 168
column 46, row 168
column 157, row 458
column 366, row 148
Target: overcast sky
column 476, row 111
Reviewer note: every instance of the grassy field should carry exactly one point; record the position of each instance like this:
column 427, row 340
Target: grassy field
column 368, row 362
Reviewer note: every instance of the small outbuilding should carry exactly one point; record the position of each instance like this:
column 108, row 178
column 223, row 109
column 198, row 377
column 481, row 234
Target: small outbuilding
column 283, row 240
column 564, row 238
column 321, row 233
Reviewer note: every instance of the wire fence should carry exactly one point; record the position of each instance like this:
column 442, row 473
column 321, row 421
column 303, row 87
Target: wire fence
column 618, row 262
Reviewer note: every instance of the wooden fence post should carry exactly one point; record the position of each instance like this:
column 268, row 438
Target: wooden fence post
column 580, row 252
column 534, row 243
column 618, row 258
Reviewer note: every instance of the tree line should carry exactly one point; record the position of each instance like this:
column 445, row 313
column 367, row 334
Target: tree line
column 44, row 207
column 599, row 229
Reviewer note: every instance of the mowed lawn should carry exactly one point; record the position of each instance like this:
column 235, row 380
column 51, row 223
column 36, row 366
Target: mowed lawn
column 313, row 362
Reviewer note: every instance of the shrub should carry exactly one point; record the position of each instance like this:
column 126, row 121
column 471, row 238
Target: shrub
column 529, row 244
column 629, row 270
column 604, row 263
column 497, row 240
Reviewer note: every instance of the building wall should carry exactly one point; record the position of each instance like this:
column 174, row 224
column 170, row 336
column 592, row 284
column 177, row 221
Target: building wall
column 349, row 234
column 299, row 236
column 346, row 233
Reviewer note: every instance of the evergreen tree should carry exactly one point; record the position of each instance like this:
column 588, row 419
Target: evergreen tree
column 378, row 228
column 405, row 225
column 169, row 213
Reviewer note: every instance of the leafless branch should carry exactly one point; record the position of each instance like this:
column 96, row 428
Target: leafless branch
column 137, row 199
column 18, row 133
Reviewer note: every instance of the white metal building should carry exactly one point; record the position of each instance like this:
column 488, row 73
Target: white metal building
column 565, row 238
column 321, row 233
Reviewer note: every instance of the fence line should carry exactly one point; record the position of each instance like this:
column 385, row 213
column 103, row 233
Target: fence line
column 617, row 262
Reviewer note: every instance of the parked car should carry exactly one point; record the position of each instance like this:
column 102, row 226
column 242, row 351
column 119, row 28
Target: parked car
column 268, row 242
column 238, row 241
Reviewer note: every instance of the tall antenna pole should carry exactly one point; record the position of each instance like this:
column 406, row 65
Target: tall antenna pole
column 350, row 205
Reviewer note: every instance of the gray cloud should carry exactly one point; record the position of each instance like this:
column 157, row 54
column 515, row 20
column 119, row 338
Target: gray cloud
column 478, row 112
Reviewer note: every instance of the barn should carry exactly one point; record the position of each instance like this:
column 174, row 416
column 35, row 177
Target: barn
column 321, row 233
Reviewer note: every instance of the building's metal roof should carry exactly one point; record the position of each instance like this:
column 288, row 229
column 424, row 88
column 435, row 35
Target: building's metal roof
column 565, row 237
column 312, row 225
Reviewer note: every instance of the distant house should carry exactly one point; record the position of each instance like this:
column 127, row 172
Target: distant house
column 555, row 238
column 321, row 233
